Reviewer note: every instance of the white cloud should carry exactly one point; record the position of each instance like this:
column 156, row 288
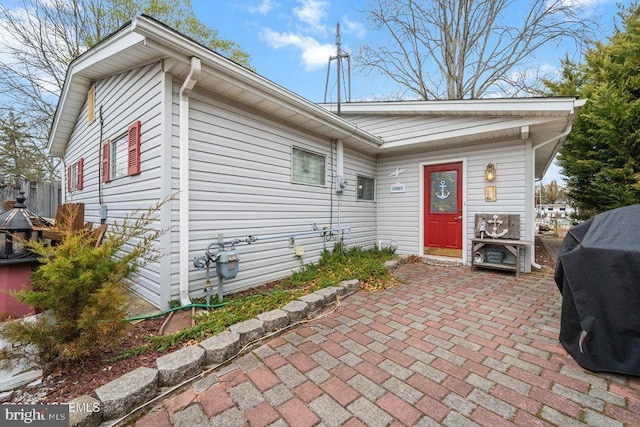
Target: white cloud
column 353, row 27
column 263, row 7
column 582, row 3
column 312, row 13
column 544, row 70
column 314, row 54
column 307, row 26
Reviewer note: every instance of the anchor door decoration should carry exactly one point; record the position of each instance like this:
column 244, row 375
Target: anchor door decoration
column 443, row 192
column 497, row 226
column 443, row 210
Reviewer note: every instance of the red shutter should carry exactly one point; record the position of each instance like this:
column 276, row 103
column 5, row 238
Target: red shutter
column 106, row 163
column 69, row 179
column 80, row 173
column 133, row 166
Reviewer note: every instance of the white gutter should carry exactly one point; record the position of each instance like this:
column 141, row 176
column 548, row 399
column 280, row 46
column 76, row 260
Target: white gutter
column 175, row 44
column 492, row 107
column 183, row 140
column 547, row 142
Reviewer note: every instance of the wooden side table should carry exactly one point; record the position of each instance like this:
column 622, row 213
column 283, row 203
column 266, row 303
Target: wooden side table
column 515, row 247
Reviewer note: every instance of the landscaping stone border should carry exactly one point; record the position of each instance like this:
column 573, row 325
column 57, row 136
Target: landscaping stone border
column 118, row 397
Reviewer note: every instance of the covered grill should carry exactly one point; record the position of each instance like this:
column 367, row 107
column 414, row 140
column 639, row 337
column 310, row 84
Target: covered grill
column 598, row 274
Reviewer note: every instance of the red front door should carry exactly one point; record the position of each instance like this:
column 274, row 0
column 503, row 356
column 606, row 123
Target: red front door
column 443, row 210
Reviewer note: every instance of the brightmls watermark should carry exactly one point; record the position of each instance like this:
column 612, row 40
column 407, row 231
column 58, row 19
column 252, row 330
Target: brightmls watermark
column 13, row 415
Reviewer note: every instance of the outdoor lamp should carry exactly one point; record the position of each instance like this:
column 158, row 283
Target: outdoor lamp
column 490, row 173
column 16, row 226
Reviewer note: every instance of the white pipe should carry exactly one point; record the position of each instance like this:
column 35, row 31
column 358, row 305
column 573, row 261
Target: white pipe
column 183, row 140
column 340, row 158
column 534, row 264
column 340, row 171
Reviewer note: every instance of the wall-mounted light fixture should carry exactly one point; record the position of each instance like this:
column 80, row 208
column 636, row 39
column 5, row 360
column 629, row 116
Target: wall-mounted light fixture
column 490, row 172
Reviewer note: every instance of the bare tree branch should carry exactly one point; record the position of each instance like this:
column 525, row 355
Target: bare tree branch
column 459, row 49
column 40, row 38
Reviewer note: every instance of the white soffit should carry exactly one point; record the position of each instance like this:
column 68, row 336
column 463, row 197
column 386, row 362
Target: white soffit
column 363, row 125
column 145, row 40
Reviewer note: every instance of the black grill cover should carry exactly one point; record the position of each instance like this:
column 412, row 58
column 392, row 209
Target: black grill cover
column 598, row 274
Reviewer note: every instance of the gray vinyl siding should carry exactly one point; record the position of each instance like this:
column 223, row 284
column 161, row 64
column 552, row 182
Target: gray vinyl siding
column 398, row 214
column 240, row 185
column 124, row 98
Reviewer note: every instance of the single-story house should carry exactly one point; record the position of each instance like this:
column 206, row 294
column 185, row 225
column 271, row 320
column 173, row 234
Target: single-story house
column 149, row 113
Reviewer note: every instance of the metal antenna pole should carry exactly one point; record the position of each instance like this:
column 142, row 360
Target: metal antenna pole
column 349, row 77
column 340, row 55
column 326, row 84
column 339, row 59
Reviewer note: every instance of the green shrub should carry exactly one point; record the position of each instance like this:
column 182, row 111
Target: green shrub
column 84, row 288
column 333, row 267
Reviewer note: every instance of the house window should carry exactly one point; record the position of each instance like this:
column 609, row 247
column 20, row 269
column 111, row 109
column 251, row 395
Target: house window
column 365, row 188
column 75, row 179
column 121, row 156
column 307, row 167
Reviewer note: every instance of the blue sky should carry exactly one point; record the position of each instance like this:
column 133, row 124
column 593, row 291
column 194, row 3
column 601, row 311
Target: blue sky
column 290, row 41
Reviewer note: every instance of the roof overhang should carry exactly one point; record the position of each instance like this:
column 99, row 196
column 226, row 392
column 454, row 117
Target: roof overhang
column 544, row 121
column 518, row 107
column 145, row 40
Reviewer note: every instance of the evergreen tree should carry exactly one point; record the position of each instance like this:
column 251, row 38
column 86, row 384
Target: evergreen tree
column 19, row 156
column 601, row 156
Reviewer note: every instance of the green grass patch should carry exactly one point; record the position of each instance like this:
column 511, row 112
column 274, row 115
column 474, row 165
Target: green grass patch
column 332, row 268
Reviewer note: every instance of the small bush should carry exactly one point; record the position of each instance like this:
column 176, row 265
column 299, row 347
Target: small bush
column 332, row 268
column 84, row 288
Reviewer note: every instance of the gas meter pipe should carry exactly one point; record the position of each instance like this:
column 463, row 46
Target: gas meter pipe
column 230, row 259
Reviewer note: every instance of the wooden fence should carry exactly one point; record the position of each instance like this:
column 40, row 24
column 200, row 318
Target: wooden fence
column 42, row 197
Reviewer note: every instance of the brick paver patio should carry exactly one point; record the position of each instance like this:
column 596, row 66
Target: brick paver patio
column 447, row 347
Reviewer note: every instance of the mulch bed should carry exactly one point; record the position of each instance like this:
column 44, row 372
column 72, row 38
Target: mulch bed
column 67, row 383
column 543, row 258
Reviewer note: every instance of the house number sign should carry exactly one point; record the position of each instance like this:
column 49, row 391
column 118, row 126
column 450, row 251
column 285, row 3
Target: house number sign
column 397, row 188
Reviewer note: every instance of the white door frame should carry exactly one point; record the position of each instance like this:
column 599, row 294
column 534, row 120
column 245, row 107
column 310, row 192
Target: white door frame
column 444, row 160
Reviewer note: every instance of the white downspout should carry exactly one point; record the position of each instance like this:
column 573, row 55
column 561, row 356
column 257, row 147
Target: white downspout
column 534, row 264
column 340, row 159
column 340, row 172
column 183, row 141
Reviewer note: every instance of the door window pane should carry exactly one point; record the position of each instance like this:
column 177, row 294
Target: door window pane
column 444, row 192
